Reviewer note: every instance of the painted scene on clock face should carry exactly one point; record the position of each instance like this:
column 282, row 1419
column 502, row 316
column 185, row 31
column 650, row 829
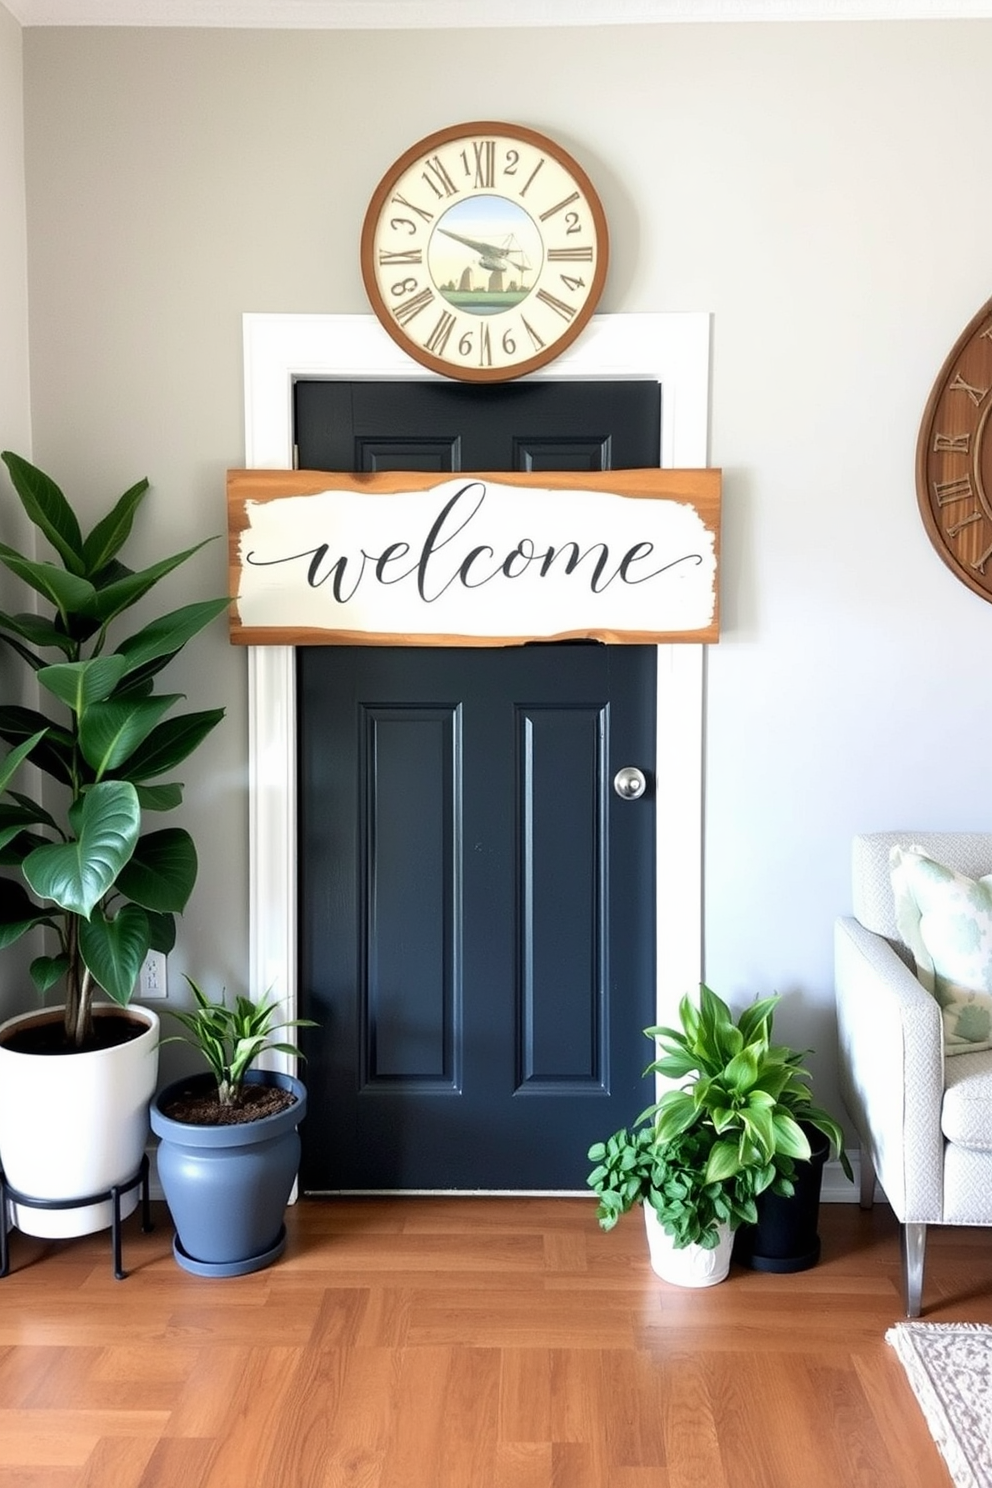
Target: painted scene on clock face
column 486, row 253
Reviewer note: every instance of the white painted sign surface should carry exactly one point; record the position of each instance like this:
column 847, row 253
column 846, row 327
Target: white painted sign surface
column 476, row 559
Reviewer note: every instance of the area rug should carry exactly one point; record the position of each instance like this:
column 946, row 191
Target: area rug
column 949, row 1366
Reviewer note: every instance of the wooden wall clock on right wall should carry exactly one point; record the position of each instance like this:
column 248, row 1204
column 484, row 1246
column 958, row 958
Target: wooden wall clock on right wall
column 954, row 458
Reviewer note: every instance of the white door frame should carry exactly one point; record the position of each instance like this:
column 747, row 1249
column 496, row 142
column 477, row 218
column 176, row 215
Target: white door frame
column 672, row 349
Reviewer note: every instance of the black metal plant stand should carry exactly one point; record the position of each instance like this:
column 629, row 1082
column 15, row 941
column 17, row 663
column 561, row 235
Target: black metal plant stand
column 115, row 1194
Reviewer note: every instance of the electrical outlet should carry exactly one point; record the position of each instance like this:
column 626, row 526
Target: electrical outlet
column 152, row 982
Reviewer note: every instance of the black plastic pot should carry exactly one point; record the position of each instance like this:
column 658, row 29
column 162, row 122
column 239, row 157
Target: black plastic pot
column 785, row 1237
column 227, row 1186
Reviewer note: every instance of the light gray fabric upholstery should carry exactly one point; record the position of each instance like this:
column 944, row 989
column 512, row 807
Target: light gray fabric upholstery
column 966, row 1110
column 968, row 852
column 925, row 1124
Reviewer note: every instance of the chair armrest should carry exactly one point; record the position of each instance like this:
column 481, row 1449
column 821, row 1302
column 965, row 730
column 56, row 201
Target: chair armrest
column 891, row 1068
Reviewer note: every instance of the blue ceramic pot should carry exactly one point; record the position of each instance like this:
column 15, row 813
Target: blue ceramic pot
column 227, row 1186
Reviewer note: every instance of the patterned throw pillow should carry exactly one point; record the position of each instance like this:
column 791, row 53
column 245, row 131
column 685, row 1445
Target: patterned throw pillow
column 945, row 918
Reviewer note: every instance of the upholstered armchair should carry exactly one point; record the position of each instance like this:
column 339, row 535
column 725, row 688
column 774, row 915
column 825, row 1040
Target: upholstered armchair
column 924, row 1118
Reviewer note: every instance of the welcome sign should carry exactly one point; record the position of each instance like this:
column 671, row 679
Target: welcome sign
column 406, row 558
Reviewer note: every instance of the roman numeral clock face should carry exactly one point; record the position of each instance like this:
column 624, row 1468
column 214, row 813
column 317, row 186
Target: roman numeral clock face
column 954, row 458
column 484, row 251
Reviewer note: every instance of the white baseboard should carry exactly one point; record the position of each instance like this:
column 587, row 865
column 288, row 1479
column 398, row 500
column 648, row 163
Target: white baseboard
column 836, row 1189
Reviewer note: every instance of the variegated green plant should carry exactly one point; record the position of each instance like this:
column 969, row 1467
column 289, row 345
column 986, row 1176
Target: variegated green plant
column 81, row 864
column 231, row 1038
column 702, row 1153
column 752, row 1093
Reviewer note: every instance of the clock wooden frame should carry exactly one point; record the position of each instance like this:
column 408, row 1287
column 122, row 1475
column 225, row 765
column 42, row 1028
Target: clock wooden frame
column 547, row 225
column 954, row 458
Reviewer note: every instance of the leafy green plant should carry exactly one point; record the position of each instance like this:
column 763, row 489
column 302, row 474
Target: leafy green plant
column 83, row 867
column 632, row 1168
column 751, row 1093
column 232, row 1038
column 702, row 1153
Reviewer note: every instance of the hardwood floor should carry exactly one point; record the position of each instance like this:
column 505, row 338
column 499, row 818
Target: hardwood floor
column 468, row 1343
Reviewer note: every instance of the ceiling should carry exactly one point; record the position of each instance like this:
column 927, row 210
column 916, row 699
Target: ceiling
column 454, row 14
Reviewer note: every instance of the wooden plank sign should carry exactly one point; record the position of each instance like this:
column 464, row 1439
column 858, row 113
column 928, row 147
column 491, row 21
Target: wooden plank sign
column 406, row 558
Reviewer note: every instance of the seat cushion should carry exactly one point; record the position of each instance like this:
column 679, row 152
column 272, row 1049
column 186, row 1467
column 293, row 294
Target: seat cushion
column 966, row 1112
column 945, row 918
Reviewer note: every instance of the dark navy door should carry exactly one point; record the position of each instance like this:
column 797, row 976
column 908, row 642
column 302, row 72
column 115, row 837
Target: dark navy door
column 476, row 902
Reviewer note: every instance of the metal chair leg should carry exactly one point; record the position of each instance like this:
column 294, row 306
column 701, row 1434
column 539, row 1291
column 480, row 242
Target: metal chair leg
column 913, row 1241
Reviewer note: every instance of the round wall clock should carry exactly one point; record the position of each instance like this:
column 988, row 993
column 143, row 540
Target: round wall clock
column 954, row 458
column 484, row 251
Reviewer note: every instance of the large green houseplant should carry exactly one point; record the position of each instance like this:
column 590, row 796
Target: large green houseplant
column 78, row 860
column 703, row 1153
column 83, row 868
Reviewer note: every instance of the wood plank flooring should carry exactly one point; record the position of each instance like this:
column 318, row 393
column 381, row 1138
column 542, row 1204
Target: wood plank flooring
column 468, row 1343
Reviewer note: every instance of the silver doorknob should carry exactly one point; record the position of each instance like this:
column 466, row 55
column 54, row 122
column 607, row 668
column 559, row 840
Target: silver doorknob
column 629, row 783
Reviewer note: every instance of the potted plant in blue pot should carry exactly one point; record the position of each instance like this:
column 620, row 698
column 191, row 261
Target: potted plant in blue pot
column 229, row 1147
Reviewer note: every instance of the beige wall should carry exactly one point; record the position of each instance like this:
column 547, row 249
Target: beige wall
column 819, row 188
column 15, row 418
column 15, row 425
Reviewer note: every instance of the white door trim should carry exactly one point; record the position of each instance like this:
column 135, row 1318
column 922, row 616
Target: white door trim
column 670, row 348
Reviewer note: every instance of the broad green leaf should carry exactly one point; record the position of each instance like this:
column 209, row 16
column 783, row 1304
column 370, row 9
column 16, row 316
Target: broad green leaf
column 40, row 631
column 17, row 724
column 171, row 742
column 790, row 1138
column 29, row 658
column 16, row 848
column 18, row 912
column 48, row 509
column 45, row 971
column 742, row 1071
column 760, row 1129
column 77, row 874
column 722, row 1163
column 689, row 1018
column 675, row 1114
column 162, row 871
column 160, row 797
column 80, row 683
column 52, row 753
column 38, row 813
column 109, row 600
column 675, row 1065
column 112, row 531
column 66, row 591
column 15, row 820
column 165, row 637
column 111, row 731
column 113, row 949
column 752, row 1018
column 14, row 760
column 163, row 932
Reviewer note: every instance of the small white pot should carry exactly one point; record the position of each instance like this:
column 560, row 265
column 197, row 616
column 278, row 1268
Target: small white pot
column 692, row 1266
column 75, row 1124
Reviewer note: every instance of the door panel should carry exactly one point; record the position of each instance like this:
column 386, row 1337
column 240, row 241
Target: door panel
column 476, row 903
column 449, row 426
column 476, row 896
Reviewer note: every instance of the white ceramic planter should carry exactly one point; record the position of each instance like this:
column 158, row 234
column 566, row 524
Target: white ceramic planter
column 75, row 1124
column 692, row 1266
